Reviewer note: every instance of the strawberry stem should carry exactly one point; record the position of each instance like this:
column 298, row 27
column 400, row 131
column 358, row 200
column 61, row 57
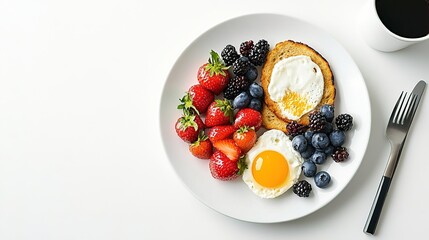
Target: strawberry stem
column 241, row 164
column 188, row 121
column 215, row 65
column 226, row 107
column 201, row 137
column 186, row 104
column 245, row 129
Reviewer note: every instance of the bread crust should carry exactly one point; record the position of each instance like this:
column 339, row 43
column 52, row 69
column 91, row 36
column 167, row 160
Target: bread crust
column 271, row 113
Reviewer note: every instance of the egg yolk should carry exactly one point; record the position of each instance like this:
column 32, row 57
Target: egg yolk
column 270, row 169
column 299, row 104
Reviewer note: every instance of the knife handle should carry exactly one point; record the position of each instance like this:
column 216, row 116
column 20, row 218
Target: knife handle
column 377, row 205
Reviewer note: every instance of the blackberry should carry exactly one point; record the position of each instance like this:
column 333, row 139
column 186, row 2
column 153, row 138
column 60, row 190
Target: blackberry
column 344, row 122
column 259, row 53
column 229, row 55
column 340, row 154
column 302, row 188
column 294, row 128
column 317, row 121
column 246, row 47
column 235, row 86
column 241, row 66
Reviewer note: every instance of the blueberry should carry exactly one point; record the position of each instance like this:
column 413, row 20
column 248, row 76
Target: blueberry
column 329, row 150
column 241, row 101
column 299, row 143
column 256, row 90
column 251, row 74
column 327, row 111
column 309, row 168
column 255, row 104
column 337, row 138
column 318, row 157
column 309, row 135
column 322, row 179
column 320, row 140
column 328, row 128
column 308, row 152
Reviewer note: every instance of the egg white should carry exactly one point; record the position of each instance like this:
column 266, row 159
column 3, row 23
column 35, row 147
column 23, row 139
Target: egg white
column 298, row 75
column 277, row 141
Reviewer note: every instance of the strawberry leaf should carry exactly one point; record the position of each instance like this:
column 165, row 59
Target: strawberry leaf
column 187, row 105
column 226, row 107
column 241, row 164
column 244, row 129
column 201, row 137
column 188, row 121
column 215, row 65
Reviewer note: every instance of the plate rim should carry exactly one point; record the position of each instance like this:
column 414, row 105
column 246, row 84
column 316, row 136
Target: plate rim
column 367, row 133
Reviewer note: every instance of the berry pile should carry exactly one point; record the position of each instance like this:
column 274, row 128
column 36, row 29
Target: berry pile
column 242, row 89
column 229, row 127
column 323, row 137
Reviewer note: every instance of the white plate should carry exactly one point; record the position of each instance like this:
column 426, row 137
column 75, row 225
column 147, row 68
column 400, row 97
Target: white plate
column 233, row 198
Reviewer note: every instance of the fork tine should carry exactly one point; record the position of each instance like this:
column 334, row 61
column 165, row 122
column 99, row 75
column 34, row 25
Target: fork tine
column 400, row 109
column 412, row 108
column 395, row 109
column 406, row 109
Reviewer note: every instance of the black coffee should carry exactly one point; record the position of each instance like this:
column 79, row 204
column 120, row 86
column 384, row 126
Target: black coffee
column 406, row 18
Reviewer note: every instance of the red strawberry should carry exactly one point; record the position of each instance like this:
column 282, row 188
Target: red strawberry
column 220, row 112
column 248, row 117
column 188, row 127
column 229, row 148
column 213, row 75
column 217, row 133
column 202, row 148
column 201, row 97
column 245, row 138
column 222, row 168
column 197, row 98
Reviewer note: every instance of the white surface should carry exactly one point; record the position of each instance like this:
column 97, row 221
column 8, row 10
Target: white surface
column 80, row 151
column 377, row 35
column 352, row 97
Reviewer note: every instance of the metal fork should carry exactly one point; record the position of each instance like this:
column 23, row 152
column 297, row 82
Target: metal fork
column 397, row 131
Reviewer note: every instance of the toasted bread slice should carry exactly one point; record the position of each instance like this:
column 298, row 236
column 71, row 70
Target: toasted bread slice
column 271, row 113
column 271, row 121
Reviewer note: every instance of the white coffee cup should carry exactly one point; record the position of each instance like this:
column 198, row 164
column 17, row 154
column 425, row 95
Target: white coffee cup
column 377, row 35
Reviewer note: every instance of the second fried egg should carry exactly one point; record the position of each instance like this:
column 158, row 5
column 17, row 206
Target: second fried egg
column 273, row 166
column 297, row 85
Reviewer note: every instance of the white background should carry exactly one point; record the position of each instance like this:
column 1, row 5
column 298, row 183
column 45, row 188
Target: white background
column 80, row 151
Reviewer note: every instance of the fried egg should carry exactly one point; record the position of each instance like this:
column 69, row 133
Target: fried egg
column 273, row 166
column 296, row 85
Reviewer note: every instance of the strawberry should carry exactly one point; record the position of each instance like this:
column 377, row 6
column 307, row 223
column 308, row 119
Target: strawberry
column 213, row 75
column 229, row 148
column 202, row 148
column 245, row 138
column 201, row 97
column 220, row 112
column 248, row 117
column 222, row 168
column 197, row 99
column 188, row 127
column 220, row 132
